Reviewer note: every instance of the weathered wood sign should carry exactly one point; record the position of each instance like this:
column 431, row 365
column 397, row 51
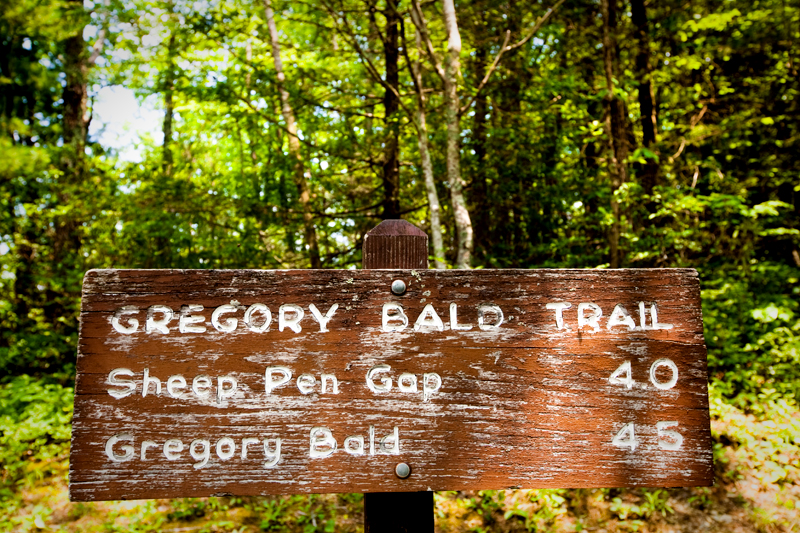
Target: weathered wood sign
column 203, row 382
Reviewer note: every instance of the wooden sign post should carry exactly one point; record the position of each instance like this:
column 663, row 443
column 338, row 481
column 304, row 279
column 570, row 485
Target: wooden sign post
column 397, row 244
column 249, row 382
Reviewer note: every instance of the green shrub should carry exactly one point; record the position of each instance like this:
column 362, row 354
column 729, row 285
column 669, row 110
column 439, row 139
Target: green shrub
column 35, row 430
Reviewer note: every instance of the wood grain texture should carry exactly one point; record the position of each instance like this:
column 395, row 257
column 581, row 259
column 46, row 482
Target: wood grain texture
column 525, row 404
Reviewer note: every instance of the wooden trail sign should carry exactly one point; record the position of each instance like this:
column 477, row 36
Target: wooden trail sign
column 204, row 382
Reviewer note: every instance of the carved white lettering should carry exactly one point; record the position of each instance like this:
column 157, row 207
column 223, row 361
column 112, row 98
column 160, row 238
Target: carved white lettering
column 324, row 379
column 358, row 440
column 147, row 380
column 620, row 317
column 386, row 383
column 172, row 449
column 201, row 456
column 626, row 437
column 174, row 383
column 227, row 325
column 200, row 449
column 664, row 385
column 653, row 317
column 407, row 382
column 591, row 320
column 668, row 439
column 431, row 383
column 454, row 325
column 306, row 383
column 559, row 307
column 273, row 456
column 322, row 443
column 145, row 445
column 129, row 386
column 133, row 324
column 188, row 322
column 250, row 320
column 389, row 321
column 127, row 450
column 428, row 318
column 483, row 310
column 158, row 325
column 293, row 321
column 271, row 384
column 391, row 443
column 247, row 441
column 622, row 375
column 200, row 386
column 226, row 448
column 226, row 388
column 323, row 320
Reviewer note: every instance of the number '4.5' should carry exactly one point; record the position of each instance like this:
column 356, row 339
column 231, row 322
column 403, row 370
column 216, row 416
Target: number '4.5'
column 667, row 439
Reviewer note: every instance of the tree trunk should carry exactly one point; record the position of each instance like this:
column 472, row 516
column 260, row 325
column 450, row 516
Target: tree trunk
column 294, row 144
column 615, row 127
column 391, row 105
column 75, row 115
column 169, row 107
column 647, row 106
column 434, row 207
column 452, row 66
column 479, row 196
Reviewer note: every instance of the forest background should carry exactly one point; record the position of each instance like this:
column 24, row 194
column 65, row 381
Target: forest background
column 577, row 133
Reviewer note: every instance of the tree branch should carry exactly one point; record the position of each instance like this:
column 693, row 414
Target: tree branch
column 371, row 69
column 506, row 48
column 419, row 21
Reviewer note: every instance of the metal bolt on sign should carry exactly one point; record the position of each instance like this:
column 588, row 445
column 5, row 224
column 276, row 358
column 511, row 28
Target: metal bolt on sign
column 402, row 470
column 398, row 287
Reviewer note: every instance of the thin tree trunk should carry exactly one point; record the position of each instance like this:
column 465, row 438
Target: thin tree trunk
column 294, row 144
column 647, row 106
column 480, row 194
column 615, row 128
column 169, row 107
column 451, row 67
column 434, row 207
column 75, row 97
column 391, row 105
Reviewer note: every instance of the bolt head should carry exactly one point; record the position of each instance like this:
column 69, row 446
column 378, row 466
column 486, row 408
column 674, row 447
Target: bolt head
column 402, row 470
column 398, row 287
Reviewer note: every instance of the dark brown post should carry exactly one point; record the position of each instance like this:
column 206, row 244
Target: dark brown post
column 397, row 244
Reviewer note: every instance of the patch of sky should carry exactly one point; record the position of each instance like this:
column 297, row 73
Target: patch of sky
column 153, row 38
column 121, row 121
column 89, row 32
column 27, row 44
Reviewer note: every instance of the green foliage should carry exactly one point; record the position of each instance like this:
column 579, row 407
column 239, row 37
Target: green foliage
column 35, row 419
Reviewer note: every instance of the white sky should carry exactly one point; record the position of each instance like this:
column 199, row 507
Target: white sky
column 120, row 122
